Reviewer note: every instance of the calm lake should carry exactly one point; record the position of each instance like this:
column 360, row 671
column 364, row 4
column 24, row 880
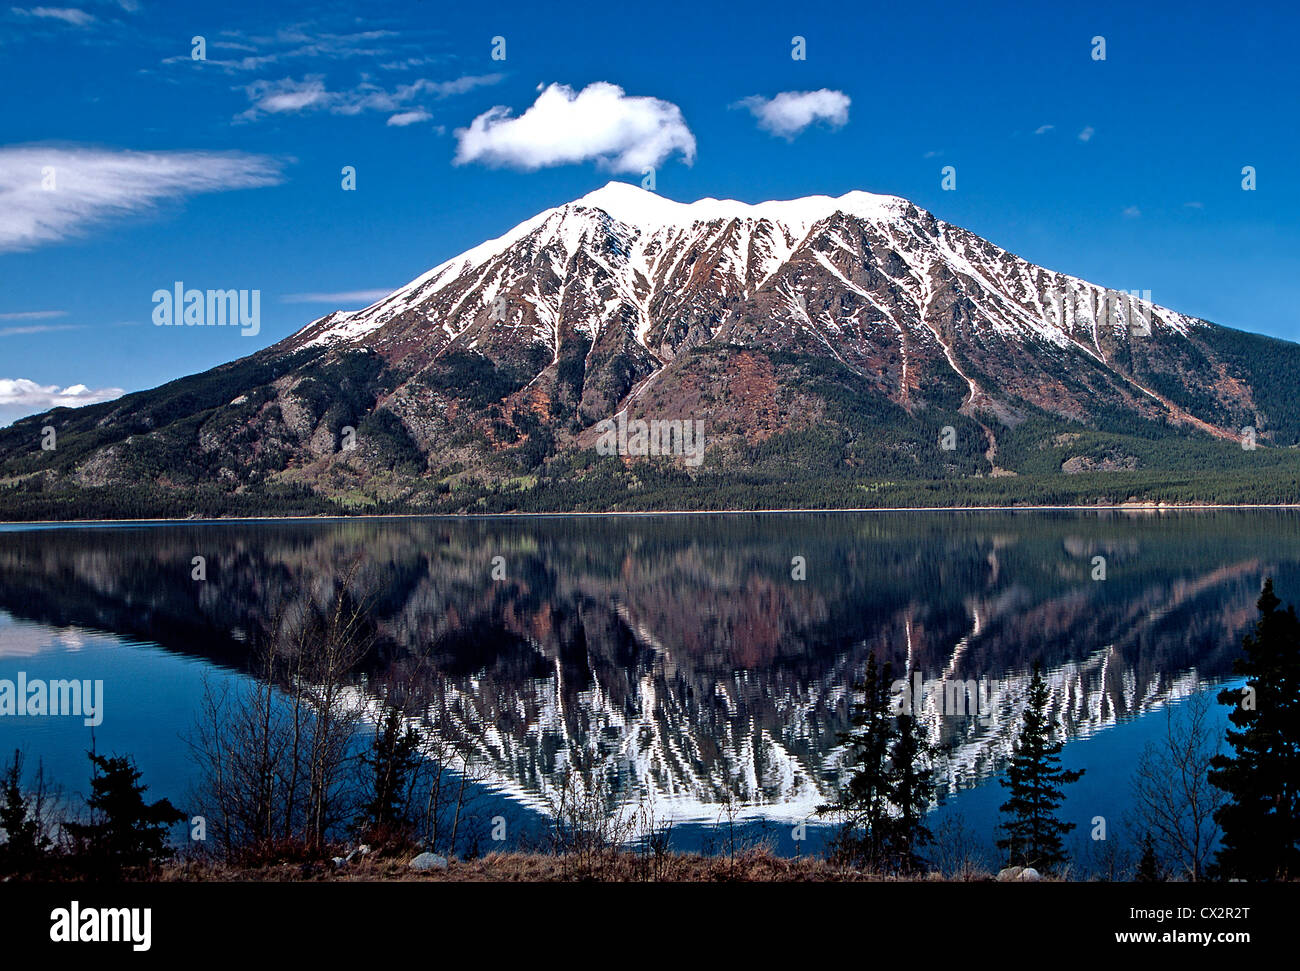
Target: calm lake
column 705, row 663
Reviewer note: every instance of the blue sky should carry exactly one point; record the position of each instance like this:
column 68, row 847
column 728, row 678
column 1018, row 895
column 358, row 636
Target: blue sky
column 226, row 172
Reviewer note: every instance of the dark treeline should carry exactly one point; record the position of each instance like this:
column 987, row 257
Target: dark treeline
column 663, row 487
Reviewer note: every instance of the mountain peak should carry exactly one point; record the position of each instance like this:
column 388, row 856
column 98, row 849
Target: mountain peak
column 631, row 204
column 638, row 207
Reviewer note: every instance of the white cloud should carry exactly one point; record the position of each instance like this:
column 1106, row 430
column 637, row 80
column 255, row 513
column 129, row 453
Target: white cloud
column 91, row 186
column 621, row 133
column 1194, row 205
column 933, row 153
column 19, row 397
column 1132, row 212
column 790, row 112
column 1043, row 129
column 1086, row 134
column 404, row 118
column 362, row 297
column 69, row 15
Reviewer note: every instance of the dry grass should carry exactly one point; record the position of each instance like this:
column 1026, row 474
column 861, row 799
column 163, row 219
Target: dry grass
column 751, row 866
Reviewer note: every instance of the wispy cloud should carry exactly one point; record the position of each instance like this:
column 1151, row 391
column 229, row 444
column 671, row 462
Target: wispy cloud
column 68, row 15
column 360, row 297
column 790, row 112
column 601, row 123
column 296, row 43
column 284, row 96
column 291, row 95
column 1194, row 205
column 49, row 194
column 417, row 60
column 404, row 118
column 1087, row 133
column 33, row 314
column 1043, row 129
column 37, row 329
column 1132, row 212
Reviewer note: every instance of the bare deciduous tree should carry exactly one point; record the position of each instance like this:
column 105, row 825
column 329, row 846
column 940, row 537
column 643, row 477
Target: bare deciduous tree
column 325, row 646
column 444, row 787
column 1174, row 799
column 274, row 751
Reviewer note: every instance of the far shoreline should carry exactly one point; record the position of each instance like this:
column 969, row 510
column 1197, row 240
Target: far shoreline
column 1140, row 507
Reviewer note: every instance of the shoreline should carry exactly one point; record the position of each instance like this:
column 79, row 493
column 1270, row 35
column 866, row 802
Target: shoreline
column 1145, row 507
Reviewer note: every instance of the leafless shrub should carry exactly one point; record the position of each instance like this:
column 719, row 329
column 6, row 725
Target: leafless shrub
column 652, row 837
column 587, row 823
column 1109, row 860
column 956, row 849
column 31, row 818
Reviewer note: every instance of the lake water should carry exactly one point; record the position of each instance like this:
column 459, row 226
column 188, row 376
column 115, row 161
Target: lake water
column 704, row 662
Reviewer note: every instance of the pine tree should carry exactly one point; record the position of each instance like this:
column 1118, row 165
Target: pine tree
column 911, row 788
column 1261, row 821
column 393, row 760
column 863, row 805
column 1035, row 779
column 1149, row 870
column 124, row 830
column 26, row 841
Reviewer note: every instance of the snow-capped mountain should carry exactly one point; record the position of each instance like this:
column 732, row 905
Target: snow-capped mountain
column 873, row 282
column 856, row 336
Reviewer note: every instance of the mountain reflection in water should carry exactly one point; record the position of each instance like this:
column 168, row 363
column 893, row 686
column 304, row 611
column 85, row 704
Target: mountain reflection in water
column 678, row 651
